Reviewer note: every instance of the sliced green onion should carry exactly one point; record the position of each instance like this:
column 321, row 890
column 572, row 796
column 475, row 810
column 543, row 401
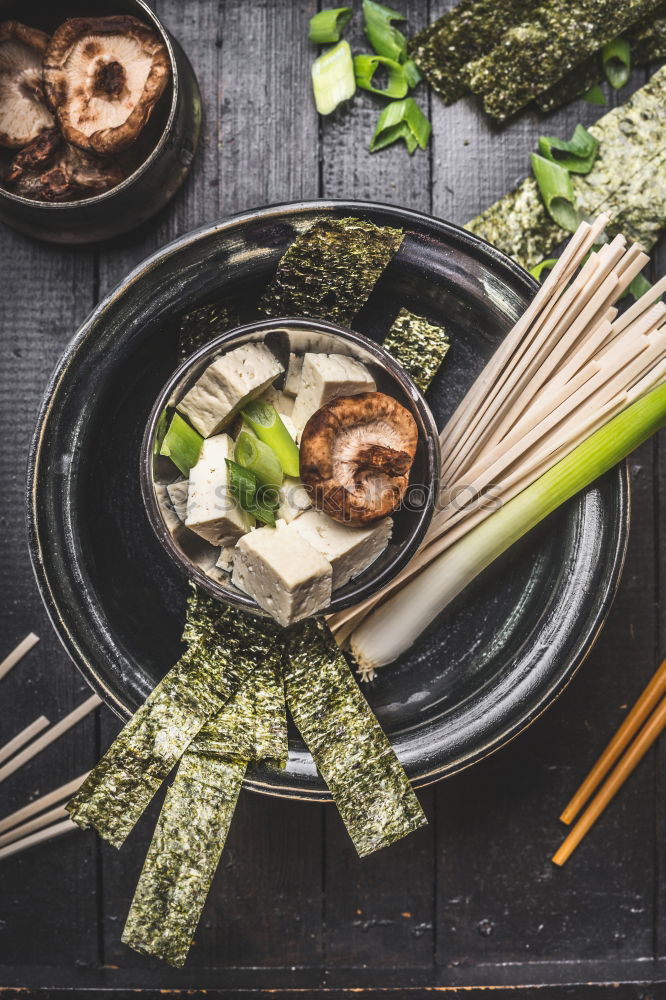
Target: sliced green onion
column 557, row 192
column 595, row 95
column 639, row 286
column 390, row 630
column 545, row 265
column 412, row 73
column 401, row 120
column 256, row 456
column 616, row 60
column 182, row 444
column 385, row 39
column 333, row 78
column 365, row 67
column 576, row 155
column 267, row 424
column 328, row 25
column 245, row 489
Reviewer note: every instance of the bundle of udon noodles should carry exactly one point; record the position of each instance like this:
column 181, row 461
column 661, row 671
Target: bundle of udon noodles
column 573, row 388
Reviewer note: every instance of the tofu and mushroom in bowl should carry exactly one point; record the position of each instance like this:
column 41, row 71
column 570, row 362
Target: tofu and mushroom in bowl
column 278, row 468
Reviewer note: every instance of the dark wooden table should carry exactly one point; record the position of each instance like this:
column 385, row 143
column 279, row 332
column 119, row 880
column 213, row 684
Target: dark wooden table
column 471, row 900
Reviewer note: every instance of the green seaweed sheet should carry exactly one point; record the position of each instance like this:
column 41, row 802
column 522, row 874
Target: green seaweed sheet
column 351, row 751
column 626, row 181
column 533, row 55
column 202, row 325
column 223, row 648
column 329, row 271
column 418, row 345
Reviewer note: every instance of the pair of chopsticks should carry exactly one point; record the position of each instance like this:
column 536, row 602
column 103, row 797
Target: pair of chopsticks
column 36, row 822
column 649, row 709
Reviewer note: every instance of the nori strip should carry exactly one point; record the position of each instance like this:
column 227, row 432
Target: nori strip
column 349, row 747
column 467, row 32
column 202, row 325
column 533, row 55
column 418, row 345
column 329, row 271
column 224, row 647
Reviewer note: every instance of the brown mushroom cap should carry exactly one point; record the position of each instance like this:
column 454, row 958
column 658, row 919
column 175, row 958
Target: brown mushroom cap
column 23, row 110
column 51, row 169
column 356, row 453
column 103, row 77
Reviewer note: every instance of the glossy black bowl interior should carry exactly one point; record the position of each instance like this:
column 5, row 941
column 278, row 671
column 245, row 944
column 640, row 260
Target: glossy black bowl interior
column 283, row 336
column 491, row 662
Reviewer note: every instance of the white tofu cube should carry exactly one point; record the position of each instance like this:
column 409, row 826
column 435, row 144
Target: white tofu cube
column 178, row 495
column 284, row 574
column 293, row 499
column 349, row 550
column 226, row 384
column 283, row 404
column 211, row 509
column 165, row 504
column 325, row 377
column 292, row 382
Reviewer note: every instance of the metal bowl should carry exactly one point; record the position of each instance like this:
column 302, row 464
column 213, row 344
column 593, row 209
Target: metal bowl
column 164, row 156
column 486, row 668
column 410, row 523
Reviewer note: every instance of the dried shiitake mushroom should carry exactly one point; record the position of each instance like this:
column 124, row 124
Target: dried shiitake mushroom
column 356, row 455
column 51, row 169
column 23, row 110
column 103, row 77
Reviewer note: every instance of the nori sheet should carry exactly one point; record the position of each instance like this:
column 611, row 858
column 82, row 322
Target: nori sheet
column 533, row 55
column 418, row 345
column 202, row 325
column 223, row 648
column 465, row 33
column 329, row 271
column 349, row 747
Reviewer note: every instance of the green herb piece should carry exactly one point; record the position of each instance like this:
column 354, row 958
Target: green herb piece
column 223, row 648
column 245, row 489
column 260, row 459
column 401, row 120
column 557, row 192
column 356, row 760
column 545, row 265
column 616, row 60
column 330, row 270
column 199, row 327
column 595, row 95
column 386, row 40
column 639, row 286
column 365, row 67
column 267, row 424
column 328, row 25
column 333, row 78
column 576, row 155
column 412, row 73
column 418, row 345
column 182, row 444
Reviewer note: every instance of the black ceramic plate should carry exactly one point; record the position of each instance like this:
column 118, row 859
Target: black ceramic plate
column 490, row 664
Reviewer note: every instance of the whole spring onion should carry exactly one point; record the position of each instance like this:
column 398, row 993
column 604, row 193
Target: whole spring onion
column 616, row 60
column 333, row 78
column 595, row 95
column 182, row 444
column 386, row 40
column 391, row 629
column 557, row 192
column 328, row 25
column 365, row 67
column 401, row 120
column 256, row 456
column 245, row 489
column 266, row 423
column 576, row 155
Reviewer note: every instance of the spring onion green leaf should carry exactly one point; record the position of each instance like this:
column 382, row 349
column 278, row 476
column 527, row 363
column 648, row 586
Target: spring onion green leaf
column 412, row 73
column 576, row 155
column 366, row 66
column 182, row 444
column 595, row 95
column 384, row 38
column 616, row 60
column 256, row 456
column 639, row 286
column 254, row 499
column 328, row 25
column 545, row 265
column 557, row 192
column 401, row 120
column 333, row 78
column 266, row 423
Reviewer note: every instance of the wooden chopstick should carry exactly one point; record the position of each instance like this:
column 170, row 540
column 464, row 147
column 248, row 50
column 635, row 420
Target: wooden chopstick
column 23, row 737
column 644, row 705
column 49, row 736
column 46, row 819
column 57, row 830
column 43, row 802
column 17, row 654
column 615, row 780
